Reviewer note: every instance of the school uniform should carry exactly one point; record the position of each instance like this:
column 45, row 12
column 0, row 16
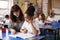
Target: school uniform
column 6, row 22
column 50, row 19
column 39, row 23
column 41, row 26
column 27, row 26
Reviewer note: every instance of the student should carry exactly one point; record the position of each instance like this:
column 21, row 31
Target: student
column 29, row 26
column 16, row 19
column 6, row 21
column 51, row 17
column 40, row 20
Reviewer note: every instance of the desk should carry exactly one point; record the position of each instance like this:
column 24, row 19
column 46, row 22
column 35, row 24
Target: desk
column 58, row 34
column 50, row 30
column 11, row 38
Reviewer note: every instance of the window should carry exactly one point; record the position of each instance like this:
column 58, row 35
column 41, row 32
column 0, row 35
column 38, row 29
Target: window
column 3, row 4
column 4, row 7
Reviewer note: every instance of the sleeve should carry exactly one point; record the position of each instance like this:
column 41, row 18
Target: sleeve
column 49, row 18
column 36, row 22
column 23, row 26
column 37, row 28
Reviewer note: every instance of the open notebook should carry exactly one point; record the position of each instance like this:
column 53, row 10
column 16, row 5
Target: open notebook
column 22, row 35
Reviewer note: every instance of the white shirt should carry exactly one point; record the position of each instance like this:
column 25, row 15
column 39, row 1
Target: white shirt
column 6, row 21
column 50, row 19
column 39, row 23
column 27, row 26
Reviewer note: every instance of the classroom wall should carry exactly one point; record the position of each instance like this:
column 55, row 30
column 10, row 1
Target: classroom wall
column 23, row 7
column 56, row 3
column 56, row 6
column 22, row 1
column 33, row 1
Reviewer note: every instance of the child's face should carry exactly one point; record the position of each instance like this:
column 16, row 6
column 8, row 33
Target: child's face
column 27, row 18
column 39, row 16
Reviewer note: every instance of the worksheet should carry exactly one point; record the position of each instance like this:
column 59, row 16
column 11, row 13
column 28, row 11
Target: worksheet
column 22, row 35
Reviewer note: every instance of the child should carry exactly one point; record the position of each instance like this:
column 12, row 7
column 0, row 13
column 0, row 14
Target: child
column 51, row 17
column 40, row 20
column 29, row 26
column 6, row 21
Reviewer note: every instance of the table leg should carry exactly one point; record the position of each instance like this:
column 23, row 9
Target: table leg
column 55, row 34
column 58, row 34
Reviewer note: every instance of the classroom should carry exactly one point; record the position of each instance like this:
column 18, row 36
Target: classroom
column 29, row 19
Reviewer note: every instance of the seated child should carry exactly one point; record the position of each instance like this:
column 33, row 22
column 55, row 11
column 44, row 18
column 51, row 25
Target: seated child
column 40, row 20
column 51, row 17
column 29, row 26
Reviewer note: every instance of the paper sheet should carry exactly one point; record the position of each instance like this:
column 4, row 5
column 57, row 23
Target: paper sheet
column 22, row 35
column 14, row 36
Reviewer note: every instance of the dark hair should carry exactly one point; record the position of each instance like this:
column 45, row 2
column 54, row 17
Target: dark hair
column 31, row 4
column 16, row 8
column 52, row 14
column 6, row 16
column 30, row 11
column 42, row 17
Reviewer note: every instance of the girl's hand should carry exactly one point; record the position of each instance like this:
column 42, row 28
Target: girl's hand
column 23, row 30
column 13, row 31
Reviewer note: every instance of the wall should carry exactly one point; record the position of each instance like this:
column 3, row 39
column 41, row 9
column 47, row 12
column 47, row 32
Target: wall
column 33, row 1
column 56, row 3
column 20, row 2
column 23, row 7
column 56, row 6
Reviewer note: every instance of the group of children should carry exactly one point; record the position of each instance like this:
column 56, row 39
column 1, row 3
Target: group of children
column 17, row 22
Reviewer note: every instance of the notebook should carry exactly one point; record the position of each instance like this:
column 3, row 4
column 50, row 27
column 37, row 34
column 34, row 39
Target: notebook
column 22, row 35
